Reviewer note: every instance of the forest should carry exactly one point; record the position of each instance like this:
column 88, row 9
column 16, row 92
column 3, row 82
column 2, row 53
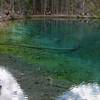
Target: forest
column 69, row 8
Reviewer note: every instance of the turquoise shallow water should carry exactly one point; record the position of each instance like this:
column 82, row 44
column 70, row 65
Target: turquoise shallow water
column 65, row 50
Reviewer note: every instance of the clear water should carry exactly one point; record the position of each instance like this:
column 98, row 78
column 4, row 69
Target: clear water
column 54, row 53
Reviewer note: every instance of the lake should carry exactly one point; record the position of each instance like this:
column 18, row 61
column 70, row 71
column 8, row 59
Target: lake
column 48, row 56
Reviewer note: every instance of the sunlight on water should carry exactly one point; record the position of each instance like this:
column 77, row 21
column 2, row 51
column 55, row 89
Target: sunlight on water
column 9, row 88
column 82, row 92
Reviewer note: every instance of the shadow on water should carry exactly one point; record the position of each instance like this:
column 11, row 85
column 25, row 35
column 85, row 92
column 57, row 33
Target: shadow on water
column 52, row 53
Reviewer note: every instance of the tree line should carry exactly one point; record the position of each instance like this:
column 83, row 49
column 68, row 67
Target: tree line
column 50, row 7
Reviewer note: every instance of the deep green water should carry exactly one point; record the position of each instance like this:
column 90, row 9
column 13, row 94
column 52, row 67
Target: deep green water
column 65, row 50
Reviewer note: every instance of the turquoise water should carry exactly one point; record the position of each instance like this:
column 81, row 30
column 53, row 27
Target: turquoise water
column 64, row 50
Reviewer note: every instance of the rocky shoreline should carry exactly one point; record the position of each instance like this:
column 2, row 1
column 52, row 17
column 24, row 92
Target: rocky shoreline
column 6, row 17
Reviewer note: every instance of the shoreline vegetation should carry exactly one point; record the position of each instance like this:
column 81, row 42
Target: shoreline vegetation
column 8, row 15
column 16, row 17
